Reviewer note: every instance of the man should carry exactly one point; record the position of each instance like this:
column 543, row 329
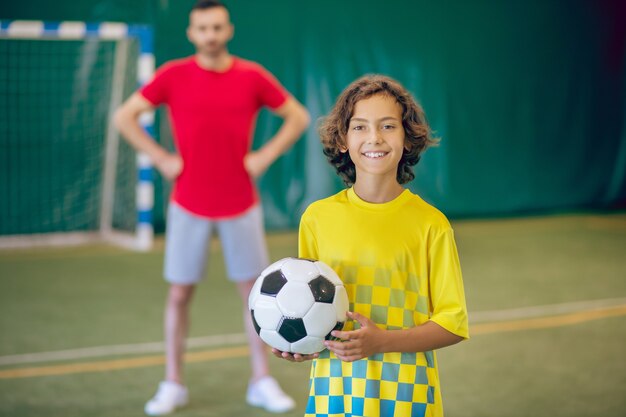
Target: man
column 213, row 99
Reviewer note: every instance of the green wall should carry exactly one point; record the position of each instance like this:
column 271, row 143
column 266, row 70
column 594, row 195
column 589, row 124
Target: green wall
column 527, row 97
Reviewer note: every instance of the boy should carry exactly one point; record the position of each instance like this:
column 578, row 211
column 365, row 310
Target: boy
column 396, row 255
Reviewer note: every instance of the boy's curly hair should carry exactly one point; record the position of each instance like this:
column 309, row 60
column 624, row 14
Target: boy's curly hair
column 333, row 129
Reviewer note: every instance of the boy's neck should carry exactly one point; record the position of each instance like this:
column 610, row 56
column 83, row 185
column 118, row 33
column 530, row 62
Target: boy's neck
column 377, row 192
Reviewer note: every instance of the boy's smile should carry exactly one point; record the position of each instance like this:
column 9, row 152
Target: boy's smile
column 374, row 154
column 375, row 138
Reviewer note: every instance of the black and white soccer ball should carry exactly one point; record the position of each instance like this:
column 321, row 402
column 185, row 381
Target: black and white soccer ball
column 295, row 304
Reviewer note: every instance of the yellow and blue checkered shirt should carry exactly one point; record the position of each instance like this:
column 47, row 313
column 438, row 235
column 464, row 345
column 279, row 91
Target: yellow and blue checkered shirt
column 400, row 267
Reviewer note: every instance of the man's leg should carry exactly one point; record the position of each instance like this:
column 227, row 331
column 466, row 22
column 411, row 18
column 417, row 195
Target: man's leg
column 258, row 351
column 263, row 390
column 176, row 328
column 172, row 393
column 245, row 252
column 185, row 260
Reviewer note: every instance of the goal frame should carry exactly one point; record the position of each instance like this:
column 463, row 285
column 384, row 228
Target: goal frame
column 143, row 236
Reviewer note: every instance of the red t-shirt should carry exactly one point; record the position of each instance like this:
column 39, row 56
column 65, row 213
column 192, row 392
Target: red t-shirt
column 213, row 116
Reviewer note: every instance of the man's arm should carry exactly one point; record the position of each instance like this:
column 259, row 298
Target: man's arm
column 126, row 119
column 295, row 120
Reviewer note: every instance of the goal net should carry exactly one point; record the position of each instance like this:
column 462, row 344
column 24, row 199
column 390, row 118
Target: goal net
column 66, row 177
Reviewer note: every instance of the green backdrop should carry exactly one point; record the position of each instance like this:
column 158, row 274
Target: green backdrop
column 527, row 97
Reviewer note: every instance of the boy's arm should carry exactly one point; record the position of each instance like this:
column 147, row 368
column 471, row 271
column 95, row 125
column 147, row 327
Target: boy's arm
column 295, row 120
column 369, row 339
column 293, row 357
column 126, row 120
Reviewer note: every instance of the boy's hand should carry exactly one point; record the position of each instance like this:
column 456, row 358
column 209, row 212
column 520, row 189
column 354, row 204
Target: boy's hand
column 356, row 344
column 293, row 357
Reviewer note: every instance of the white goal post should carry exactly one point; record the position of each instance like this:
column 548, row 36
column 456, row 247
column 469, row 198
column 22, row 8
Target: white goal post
column 61, row 181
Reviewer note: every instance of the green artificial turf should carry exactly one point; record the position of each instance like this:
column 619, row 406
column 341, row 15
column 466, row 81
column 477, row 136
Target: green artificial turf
column 57, row 299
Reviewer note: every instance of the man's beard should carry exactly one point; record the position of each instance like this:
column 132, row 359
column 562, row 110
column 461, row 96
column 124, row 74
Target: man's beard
column 213, row 49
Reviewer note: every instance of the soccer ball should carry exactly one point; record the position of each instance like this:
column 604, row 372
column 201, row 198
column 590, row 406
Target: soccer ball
column 295, row 304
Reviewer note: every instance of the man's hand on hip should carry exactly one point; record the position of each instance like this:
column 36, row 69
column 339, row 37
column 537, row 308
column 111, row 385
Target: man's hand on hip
column 170, row 166
column 256, row 163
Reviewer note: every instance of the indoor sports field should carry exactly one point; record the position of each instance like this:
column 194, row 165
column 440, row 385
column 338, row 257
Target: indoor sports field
column 547, row 300
column 525, row 99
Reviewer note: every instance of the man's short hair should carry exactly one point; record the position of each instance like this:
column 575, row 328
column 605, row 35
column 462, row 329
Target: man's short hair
column 208, row 4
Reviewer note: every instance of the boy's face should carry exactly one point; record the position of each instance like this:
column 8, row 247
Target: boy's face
column 375, row 138
column 210, row 30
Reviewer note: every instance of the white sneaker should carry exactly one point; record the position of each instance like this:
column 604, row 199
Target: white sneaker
column 170, row 396
column 266, row 393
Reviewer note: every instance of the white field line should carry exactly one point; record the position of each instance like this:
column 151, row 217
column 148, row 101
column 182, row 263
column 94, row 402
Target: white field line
column 239, row 338
column 138, row 348
column 542, row 311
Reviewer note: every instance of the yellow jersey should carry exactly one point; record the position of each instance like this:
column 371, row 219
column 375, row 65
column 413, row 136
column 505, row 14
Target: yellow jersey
column 400, row 267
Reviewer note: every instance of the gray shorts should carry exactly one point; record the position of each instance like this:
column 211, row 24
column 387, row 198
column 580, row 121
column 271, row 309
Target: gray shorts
column 187, row 240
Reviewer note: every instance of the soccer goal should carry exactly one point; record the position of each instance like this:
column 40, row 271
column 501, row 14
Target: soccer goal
column 66, row 177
